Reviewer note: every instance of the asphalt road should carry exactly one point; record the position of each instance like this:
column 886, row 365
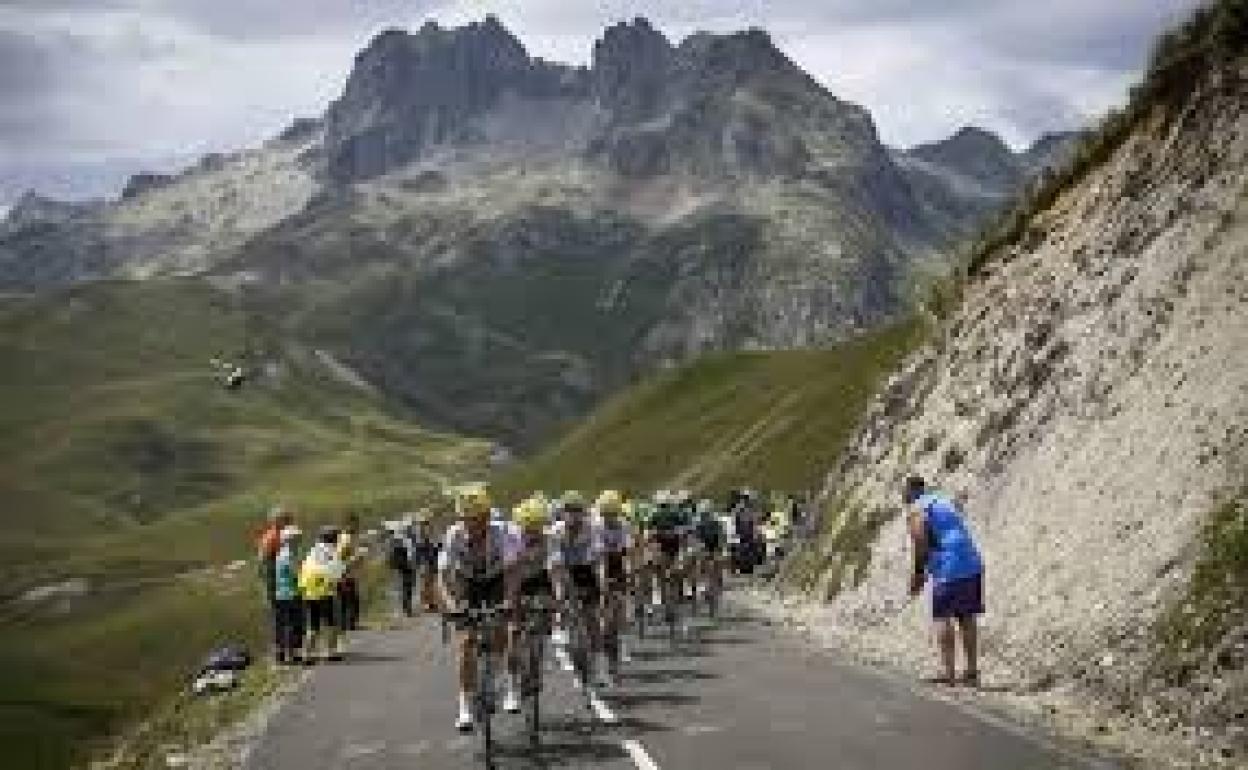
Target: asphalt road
column 740, row 695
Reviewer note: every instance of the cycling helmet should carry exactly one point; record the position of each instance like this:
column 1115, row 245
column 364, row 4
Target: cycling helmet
column 705, row 507
column 532, row 514
column 572, row 500
column 610, row 501
column 472, row 501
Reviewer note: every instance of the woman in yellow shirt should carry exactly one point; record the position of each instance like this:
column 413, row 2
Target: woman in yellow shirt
column 318, row 585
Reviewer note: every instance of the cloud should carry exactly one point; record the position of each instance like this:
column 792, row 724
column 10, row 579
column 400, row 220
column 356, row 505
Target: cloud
column 117, row 83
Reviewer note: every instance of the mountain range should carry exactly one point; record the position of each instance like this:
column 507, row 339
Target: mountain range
column 497, row 241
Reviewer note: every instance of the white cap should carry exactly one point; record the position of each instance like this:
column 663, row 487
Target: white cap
column 289, row 532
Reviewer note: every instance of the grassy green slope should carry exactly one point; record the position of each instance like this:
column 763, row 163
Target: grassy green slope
column 771, row 419
column 123, row 462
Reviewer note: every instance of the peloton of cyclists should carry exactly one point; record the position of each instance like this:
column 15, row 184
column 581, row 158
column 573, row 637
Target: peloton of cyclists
column 589, row 560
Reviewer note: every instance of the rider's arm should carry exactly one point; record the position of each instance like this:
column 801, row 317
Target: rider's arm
column 448, row 584
column 920, row 547
column 511, row 568
column 554, row 564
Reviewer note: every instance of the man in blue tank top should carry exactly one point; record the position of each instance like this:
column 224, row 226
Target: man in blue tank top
column 945, row 551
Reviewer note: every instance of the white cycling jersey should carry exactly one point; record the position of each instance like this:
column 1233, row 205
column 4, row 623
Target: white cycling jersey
column 486, row 560
column 614, row 535
column 574, row 547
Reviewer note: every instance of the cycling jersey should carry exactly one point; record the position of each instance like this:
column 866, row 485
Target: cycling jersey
column 478, row 567
column 578, row 551
column 710, row 532
column 530, row 564
column 568, row 547
column 667, row 528
column 615, row 542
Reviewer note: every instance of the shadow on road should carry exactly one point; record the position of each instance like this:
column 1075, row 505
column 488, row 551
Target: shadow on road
column 367, row 658
column 659, row 675
column 631, row 700
column 560, row 751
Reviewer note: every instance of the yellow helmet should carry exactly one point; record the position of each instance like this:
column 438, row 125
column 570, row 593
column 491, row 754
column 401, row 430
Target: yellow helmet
column 572, row 499
column 473, row 500
column 532, row 513
column 610, row 501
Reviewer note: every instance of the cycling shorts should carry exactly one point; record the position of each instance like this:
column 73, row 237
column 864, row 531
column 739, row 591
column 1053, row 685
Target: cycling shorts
column 616, row 574
column 669, row 544
column 712, row 541
column 585, row 582
column 537, row 584
column 483, row 592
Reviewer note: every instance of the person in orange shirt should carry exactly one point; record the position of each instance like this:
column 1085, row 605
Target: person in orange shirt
column 268, row 542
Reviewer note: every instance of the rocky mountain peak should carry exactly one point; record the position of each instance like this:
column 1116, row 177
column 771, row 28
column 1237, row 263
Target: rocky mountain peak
column 977, row 154
column 736, row 54
column 632, row 64
column 409, row 92
column 32, row 208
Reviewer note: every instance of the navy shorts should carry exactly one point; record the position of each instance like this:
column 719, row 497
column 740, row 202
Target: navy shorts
column 958, row 598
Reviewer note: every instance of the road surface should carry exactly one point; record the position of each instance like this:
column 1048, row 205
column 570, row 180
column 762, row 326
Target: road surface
column 743, row 695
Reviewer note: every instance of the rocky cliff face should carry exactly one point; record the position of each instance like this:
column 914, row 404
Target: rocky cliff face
column 1088, row 403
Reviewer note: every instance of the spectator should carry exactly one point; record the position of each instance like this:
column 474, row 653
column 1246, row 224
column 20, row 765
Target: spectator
column 287, row 605
column 350, row 556
column 424, row 559
column 945, row 550
column 318, row 585
column 400, row 561
column 268, row 541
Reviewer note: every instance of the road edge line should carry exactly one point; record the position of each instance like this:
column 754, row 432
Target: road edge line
column 639, row 755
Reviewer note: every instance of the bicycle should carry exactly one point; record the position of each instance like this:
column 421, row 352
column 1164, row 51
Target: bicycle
column 576, row 622
column 671, row 588
column 714, row 585
column 535, row 625
column 485, row 622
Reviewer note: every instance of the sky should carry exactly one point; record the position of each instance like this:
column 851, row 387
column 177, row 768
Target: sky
column 93, row 90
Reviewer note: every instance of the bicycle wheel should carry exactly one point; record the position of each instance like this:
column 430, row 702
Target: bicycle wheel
column 670, row 607
column 535, row 687
column 485, row 704
column 580, row 647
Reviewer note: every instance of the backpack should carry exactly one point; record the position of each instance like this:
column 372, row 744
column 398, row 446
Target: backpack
column 231, row 657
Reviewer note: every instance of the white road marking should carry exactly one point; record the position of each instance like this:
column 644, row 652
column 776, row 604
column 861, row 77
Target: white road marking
column 600, row 708
column 640, row 756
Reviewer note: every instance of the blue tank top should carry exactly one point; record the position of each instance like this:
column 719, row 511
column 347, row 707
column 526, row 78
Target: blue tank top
column 953, row 555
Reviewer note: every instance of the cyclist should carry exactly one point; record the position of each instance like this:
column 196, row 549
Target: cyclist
column 472, row 569
column 745, row 514
column 691, row 547
column 667, row 535
column 641, row 556
column 710, row 534
column 615, row 543
column 529, row 576
column 575, row 557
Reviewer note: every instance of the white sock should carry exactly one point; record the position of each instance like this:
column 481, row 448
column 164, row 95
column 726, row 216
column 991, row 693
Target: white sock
column 465, row 704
